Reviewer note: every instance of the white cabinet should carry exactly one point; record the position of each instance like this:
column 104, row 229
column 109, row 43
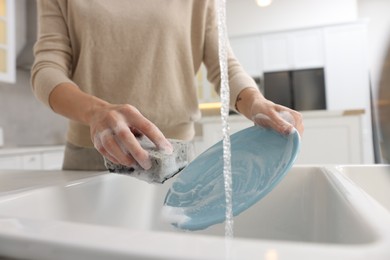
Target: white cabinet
column 211, row 128
column 307, row 49
column 347, row 74
column 11, row 162
column 292, row 50
column 248, row 52
column 39, row 158
column 31, row 162
column 275, row 52
column 330, row 137
column 279, row 51
column 52, row 160
column 334, row 139
column 346, row 71
column 7, row 41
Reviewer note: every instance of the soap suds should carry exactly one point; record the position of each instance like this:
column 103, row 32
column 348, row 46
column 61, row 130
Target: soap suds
column 164, row 166
column 174, row 215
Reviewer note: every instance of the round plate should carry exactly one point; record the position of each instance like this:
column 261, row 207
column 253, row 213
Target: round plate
column 260, row 159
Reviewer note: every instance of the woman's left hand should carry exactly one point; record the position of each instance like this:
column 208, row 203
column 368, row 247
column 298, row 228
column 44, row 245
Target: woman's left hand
column 278, row 117
column 266, row 113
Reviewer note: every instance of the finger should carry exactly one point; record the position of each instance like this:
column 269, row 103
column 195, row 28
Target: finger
column 282, row 125
column 293, row 117
column 136, row 132
column 109, row 143
column 99, row 147
column 274, row 121
column 130, row 145
column 150, row 130
column 287, row 116
column 262, row 120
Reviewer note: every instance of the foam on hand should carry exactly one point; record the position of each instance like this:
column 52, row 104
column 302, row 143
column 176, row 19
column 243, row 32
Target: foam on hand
column 287, row 117
column 262, row 119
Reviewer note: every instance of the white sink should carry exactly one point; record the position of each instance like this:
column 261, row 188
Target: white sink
column 373, row 179
column 315, row 213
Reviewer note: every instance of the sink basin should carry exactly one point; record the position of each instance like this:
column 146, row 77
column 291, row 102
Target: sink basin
column 314, row 213
column 373, row 179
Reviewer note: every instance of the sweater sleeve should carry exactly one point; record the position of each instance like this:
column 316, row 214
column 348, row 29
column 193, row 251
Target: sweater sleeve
column 238, row 78
column 52, row 51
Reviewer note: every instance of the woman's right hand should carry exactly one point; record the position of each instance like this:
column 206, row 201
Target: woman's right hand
column 113, row 128
column 114, row 131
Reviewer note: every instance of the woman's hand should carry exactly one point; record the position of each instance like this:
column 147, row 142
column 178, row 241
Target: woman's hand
column 280, row 118
column 261, row 111
column 113, row 128
column 114, row 131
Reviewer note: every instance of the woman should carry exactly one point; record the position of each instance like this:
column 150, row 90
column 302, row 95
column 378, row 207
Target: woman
column 121, row 68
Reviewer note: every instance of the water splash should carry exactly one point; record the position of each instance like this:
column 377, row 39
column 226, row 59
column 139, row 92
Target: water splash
column 225, row 100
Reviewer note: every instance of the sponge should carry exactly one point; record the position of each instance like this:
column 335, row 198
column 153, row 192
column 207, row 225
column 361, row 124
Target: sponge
column 164, row 166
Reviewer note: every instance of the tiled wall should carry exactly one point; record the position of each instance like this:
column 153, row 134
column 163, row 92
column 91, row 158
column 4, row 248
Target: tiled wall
column 24, row 119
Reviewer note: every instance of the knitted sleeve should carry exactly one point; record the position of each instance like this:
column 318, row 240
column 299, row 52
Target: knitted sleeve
column 52, row 51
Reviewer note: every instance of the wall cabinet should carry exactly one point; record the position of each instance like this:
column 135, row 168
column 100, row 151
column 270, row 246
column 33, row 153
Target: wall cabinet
column 280, row 51
column 292, row 50
column 248, row 52
column 276, row 54
column 7, row 41
column 307, row 48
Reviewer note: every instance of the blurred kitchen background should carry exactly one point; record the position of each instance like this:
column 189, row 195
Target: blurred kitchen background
column 323, row 58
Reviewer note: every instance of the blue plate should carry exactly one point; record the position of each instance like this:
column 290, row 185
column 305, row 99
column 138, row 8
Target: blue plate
column 260, row 159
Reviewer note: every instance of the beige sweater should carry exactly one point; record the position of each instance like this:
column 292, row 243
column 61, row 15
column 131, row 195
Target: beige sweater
column 141, row 52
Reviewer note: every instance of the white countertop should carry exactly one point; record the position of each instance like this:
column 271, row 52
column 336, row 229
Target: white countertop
column 213, row 114
column 29, row 149
column 16, row 180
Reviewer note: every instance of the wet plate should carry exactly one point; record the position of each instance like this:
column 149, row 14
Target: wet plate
column 260, row 159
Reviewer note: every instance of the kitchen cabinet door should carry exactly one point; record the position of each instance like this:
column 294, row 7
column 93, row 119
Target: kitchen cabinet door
column 307, row 49
column 347, row 76
column 21, row 162
column 212, row 131
column 332, row 140
column 52, row 160
column 248, row 52
column 11, row 163
column 31, row 161
column 301, row 49
column 7, row 41
column 276, row 52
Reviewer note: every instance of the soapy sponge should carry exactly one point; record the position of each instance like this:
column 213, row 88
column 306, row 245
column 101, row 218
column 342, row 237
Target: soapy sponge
column 164, row 166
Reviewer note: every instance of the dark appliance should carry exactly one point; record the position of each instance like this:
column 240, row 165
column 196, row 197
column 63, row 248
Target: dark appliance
column 297, row 89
